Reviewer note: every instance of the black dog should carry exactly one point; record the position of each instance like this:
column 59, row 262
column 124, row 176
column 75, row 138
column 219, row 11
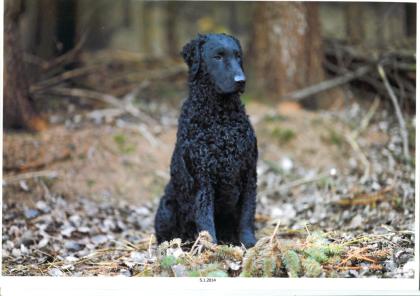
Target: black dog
column 213, row 167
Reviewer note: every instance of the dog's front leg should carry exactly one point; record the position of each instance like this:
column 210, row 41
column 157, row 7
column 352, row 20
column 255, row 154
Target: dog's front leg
column 204, row 211
column 246, row 222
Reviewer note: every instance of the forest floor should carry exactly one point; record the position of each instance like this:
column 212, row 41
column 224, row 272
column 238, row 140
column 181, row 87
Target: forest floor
column 335, row 198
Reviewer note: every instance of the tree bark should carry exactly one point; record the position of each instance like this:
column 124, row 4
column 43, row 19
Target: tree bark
column 286, row 49
column 354, row 27
column 19, row 110
column 172, row 9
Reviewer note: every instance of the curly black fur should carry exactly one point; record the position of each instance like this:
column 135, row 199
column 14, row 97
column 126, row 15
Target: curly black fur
column 213, row 167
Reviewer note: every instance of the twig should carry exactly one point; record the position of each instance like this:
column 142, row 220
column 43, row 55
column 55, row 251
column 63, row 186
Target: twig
column 150, row 246
column 353, row 143
column 68, row 56
column 366, row 119
column 301, row 182
column 35, row 60
column 30, row 175
column 401, row 121
column 144, row 131
column 42, row 85
column 275, row 231
column 194, row 245
column 48, row 195
column 352, row 138
column 148, row 135
column 363, row 199
column 328, row 84
column 109, row 114
column 106, row 98
column 128, row 98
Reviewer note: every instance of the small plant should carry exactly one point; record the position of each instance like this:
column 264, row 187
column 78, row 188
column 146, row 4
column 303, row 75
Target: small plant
column 275, row 117
column 292, row 263
column 123, row 145
column 333, row 137
column 283, row 135
column 167, row 262
column 311, row 267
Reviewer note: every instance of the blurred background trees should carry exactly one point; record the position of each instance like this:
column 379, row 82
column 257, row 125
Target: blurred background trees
column 288, row 45
column 19, row 109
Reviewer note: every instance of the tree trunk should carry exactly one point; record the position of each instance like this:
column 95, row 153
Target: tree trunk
column 286, row 47
column 19, row 111
column 172, row 9
column 354, row 27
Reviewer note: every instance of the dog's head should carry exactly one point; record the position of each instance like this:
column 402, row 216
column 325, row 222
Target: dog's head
column 220, row 56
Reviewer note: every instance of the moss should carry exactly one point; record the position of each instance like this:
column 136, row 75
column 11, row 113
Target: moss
column 228, row 252
column 90, row 183
column 292, row 263
column 249, row 266
column 167, row 262
column 317, row 253
column 311, row 267
column 283, row 135
column 333, row 137
column 123, row 145
column 275, row 118
column 269, row 266
column 334, row 249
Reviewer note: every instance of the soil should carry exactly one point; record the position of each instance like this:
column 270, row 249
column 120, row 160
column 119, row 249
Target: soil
column 101, row 181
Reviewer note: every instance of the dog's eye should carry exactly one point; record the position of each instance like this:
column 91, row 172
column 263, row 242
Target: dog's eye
column 218, row 57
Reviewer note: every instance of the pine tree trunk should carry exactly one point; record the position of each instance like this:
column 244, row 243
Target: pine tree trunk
column 286, row 47
column 354, row 28
column 172, row 9
column 19, row 111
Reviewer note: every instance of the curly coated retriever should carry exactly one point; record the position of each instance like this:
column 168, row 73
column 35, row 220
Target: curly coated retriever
column 213, row 167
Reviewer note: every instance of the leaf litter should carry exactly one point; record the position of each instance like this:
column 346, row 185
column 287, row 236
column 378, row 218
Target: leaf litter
column 309, row 223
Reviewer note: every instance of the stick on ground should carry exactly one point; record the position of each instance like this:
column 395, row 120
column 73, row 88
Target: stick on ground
column 401, row 121
column 327, row 84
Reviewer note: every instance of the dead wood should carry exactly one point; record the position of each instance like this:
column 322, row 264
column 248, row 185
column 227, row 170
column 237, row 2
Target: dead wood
column 401, row 121
column 327, row 84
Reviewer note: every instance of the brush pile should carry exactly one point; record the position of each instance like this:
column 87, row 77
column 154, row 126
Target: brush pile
column 398, row 62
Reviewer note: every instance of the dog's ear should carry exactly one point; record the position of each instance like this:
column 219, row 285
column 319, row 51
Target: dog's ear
column 191, row 53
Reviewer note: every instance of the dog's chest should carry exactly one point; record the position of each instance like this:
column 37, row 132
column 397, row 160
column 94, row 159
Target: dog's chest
column 231, row 144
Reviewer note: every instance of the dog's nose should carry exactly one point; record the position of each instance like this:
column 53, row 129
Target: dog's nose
column 240, row 82
column 239, row 78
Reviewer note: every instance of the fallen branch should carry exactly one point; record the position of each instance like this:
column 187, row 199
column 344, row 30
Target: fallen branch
column 144, row 131
column 300, row 182
column 401, row 121
column 30, row 175
column 37, row 164
column 109, row 114
column 366, row 119
column 42, row 85
column 105, row 98
column 66, row 57
column 328, row 84
column 365, row 198
column 353, row 143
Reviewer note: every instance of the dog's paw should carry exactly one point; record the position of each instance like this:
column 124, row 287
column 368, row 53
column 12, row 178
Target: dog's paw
column 248, row 239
